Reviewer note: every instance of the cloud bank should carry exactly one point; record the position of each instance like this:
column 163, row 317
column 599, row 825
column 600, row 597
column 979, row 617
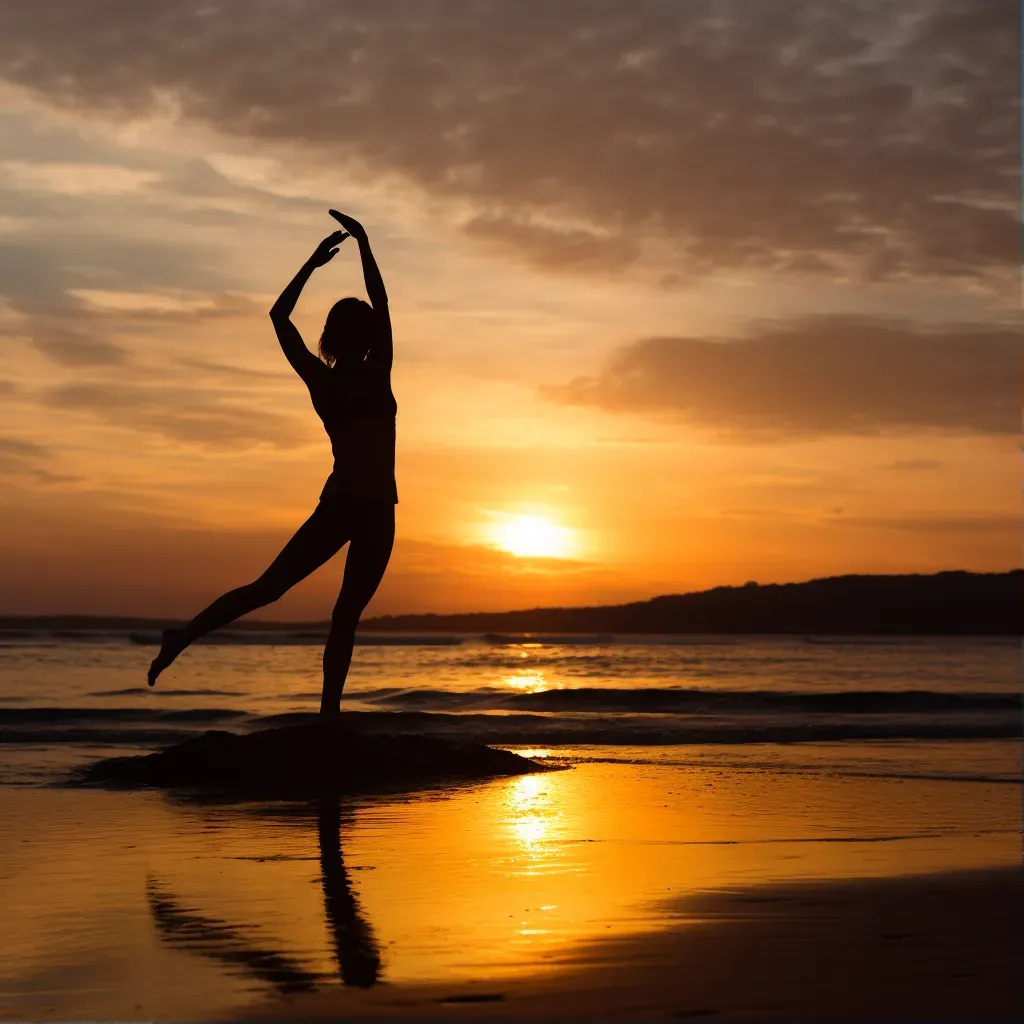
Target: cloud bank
column 834, row 136
column 820, row 375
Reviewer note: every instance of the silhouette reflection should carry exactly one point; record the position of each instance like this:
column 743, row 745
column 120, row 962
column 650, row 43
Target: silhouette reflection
column 355, row 947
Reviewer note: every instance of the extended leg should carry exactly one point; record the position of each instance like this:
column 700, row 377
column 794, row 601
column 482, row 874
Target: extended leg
column 315, row 541
column 373, row 537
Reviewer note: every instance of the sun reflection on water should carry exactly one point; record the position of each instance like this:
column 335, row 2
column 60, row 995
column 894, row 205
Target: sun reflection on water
column 531, row 818
column 526, row 682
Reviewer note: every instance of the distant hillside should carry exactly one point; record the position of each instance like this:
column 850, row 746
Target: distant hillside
column 943, row 603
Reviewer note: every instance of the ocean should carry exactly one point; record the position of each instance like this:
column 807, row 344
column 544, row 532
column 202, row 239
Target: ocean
column 694, row 765
column 66, row 694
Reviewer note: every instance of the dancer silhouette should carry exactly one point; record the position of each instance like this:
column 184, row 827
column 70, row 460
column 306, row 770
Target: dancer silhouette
column 350, row 387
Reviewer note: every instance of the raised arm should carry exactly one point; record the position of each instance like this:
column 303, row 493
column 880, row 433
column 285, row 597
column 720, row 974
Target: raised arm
column 381, row 350
column 303, row 361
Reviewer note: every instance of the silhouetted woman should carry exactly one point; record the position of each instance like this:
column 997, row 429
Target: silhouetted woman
column 350, row 386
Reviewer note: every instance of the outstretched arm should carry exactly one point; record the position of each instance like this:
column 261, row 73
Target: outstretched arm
column 294, row 347
column 381, row 350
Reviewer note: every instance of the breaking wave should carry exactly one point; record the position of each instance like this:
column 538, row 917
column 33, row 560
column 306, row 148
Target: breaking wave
column 568, row 716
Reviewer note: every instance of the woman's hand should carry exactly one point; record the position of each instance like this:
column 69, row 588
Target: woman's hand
column 328, row 248
column 350, row 224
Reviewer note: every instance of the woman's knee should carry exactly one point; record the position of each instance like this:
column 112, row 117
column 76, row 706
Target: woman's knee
column 345, row 616
column 265, row 590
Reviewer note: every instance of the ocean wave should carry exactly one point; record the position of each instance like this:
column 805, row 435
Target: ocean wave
column 112, row 726
column 831, row 769
column 142, row 726
column 696, row 701
column 52, row 715
column 98, row 735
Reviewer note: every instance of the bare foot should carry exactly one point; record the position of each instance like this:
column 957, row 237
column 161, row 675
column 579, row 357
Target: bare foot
column 173, row 642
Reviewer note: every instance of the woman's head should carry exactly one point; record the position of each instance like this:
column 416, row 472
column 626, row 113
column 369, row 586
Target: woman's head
column 347, row 332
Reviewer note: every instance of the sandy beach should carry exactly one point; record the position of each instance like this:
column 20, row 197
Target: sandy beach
column 868, row 872
column 816, row 881
column 931, row 947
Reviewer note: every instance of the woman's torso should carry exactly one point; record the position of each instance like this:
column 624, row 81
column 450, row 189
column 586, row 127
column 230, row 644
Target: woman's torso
column 358, row 411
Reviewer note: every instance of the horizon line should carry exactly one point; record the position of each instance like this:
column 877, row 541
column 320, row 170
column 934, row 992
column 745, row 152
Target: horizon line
column 752, row 584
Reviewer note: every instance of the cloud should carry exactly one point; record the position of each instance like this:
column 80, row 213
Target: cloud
column 20, row 457
column 70, row 347
column 231, row 371
column 53, row 282
column 19, row 448
column 186, row 414
column 39, row 272
column 555, row 247
column 986, row 525
column 819, row 375
column 913, row 465
column 816, row 136
column 92, row 235
column 77, row 179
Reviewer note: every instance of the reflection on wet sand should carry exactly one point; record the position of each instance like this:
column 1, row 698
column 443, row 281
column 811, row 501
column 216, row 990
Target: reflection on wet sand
column 477, row 889
column 355, row 946
column 356, row 949
column 531, row 813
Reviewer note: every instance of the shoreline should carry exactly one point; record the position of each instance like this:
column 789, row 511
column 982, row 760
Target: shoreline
column 944, row 946
column 650, row 881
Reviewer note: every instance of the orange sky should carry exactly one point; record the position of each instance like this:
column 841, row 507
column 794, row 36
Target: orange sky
column 717, row 299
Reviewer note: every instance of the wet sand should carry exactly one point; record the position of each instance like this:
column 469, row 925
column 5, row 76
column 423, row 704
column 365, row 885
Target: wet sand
column 617, row 889
column 930, row 947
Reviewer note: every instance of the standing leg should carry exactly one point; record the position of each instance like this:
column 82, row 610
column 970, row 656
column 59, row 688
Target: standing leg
column 373, row 536
column 315, row 541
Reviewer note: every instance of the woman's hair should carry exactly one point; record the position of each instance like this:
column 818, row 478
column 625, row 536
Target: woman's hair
column 346, row 330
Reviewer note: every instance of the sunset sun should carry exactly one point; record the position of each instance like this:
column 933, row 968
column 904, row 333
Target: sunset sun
column 531, row 536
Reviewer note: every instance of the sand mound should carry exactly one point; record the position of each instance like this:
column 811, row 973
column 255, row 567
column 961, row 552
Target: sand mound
column 320, row 756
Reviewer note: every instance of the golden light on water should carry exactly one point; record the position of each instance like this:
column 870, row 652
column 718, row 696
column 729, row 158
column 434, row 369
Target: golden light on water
column 527, row 682
column 532, row 536
column 531, row 810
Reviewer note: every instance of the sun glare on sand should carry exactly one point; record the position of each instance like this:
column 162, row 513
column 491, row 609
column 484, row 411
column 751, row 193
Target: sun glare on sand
column 532, row 537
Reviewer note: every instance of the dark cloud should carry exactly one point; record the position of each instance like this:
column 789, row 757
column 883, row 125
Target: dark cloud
column 913, row 465
column 988, row 525
column 19, row 448
column 71, row 347
column 21, row 458
column 43, row 278
column 184, row 414
column 36, row 287
column 820, row 375
column 40, row 275
column 37, row 271
column 230, row 371
column 555, row 248
column 801, row 136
